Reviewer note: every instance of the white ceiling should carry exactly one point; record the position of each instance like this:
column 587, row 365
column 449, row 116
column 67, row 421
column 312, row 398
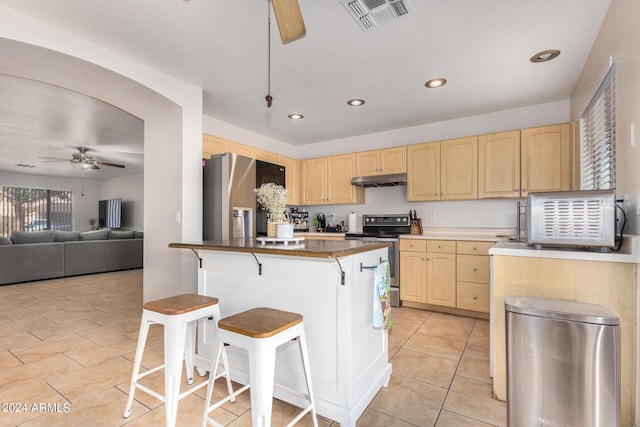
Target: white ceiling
column 481, row 47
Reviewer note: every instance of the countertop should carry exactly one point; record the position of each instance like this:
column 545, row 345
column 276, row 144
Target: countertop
column 629, row 251
column 462, row 233
column 306, row 248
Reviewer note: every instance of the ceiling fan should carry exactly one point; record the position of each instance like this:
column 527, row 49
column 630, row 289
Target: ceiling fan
column 84, row 161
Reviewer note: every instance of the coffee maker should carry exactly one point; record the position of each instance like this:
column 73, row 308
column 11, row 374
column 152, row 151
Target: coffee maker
column 321, row 222
column 300, row 220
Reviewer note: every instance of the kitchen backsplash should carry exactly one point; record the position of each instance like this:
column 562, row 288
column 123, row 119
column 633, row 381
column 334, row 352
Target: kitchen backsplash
column 393, row 200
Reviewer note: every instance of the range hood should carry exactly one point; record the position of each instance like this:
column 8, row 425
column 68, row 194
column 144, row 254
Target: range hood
column 389, row 180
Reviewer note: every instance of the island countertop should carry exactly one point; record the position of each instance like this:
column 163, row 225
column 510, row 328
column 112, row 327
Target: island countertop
column 305, row 248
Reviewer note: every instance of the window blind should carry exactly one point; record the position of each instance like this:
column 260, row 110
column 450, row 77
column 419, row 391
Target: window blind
column 598, row 137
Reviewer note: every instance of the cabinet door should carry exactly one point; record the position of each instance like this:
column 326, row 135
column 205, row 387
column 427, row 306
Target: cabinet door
column 499, row 165
column 368, row 163
column 423, row 172
column 314, row 181
column 459, row 169
column 413, row 276
column 393, row 160
column 441, row 279
column 546, row 159
column 340, row 172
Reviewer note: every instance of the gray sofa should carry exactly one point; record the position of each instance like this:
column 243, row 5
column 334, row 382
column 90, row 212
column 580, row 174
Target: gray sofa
column 38, row 255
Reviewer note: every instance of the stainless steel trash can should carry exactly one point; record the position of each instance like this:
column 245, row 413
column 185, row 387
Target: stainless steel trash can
column 563, row 363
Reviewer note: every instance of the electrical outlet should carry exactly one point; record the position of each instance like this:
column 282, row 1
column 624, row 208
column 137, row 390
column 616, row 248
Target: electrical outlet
column 632, row 134
column 431, row 216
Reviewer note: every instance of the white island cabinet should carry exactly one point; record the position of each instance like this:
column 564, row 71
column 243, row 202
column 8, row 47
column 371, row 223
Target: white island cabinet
column 348, row 357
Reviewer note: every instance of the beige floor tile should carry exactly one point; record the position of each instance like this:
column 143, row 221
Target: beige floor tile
column 50, row 347
column 449, row 419
column 93, row 354
column 475, row 366
column 282, row 413
column 415, row 402
column 17, row 340
column 395, row 342
column 410, row 314
column 39, row 371
column 89, row 381
column 424, row 367
column 449, row 326
column 8, row 360
column 372, row 418
column 49, row 331
column 404, row 328
column 472, row 399
column 436, row 345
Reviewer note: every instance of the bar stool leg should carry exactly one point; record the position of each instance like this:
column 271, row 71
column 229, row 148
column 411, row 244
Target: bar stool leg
column 189, row 350
column 174, row 344
column 262, row 363
column 142, row 339
column 304, row 354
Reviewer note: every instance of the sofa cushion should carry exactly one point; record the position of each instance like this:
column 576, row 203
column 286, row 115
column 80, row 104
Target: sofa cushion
column 138, row 234
column 5, row 241
column 25, row 237
column 95, row 235
column 66, row 236
column 121, row 234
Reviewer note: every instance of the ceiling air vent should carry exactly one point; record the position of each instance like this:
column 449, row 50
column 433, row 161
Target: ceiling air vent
column 371, row 13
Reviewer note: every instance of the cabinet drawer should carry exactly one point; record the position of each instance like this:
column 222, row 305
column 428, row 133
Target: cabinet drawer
column 474, row 268
column 441, row 246
column 415, row 245
column 473, row 296
column 474, row 248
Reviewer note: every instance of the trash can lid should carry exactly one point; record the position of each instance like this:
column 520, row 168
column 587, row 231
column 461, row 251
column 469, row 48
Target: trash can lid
column 562, row 309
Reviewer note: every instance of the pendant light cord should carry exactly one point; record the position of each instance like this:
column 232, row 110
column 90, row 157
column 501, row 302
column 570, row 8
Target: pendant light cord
column 269, row 98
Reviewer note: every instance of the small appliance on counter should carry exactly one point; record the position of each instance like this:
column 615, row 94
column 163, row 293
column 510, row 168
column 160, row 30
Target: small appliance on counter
column 321, row 222
column 300, row 220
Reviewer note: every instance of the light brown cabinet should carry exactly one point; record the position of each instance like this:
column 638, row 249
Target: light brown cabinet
column 441, row 272
column 473, row 276
column 381, row 162
column 327, row 180
column 292, row 178
column 516, row 163
column 445, row 170
column 413, row 270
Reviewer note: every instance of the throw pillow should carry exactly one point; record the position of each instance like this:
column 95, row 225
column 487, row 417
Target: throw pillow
column 66, row 236
column 121, row 234
column 25, row 237
column 5, row 241
column 95, row 235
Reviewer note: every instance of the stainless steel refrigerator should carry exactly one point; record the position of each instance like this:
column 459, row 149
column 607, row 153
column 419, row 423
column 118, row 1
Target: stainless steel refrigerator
column 229, row 208
column 229, row 202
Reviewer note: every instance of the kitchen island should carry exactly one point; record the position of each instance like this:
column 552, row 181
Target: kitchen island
column 328, row 283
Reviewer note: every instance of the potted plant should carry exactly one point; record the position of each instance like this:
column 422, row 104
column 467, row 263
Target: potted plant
column 273, row 198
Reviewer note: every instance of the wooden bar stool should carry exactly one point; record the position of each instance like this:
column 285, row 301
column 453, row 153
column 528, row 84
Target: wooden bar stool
column 261, row 331
column 179, row 315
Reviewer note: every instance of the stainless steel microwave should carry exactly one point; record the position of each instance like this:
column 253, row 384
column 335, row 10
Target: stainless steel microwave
column 572, row 218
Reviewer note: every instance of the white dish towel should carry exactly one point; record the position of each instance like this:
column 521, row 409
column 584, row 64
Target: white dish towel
column 382, row 296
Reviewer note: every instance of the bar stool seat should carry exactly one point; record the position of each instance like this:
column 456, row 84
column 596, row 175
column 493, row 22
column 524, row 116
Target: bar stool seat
column 179, row 315
column 261, row 331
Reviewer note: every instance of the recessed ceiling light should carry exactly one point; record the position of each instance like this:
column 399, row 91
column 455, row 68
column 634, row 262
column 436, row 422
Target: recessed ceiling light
column 356, row 102
column 296, row 116
column 434, row 83
column 545, row 55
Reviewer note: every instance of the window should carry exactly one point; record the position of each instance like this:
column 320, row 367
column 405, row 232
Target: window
column 598, row 137
column 34, row 209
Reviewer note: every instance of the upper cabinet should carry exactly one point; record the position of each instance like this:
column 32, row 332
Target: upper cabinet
column 445, row 170
column 292, row 178
column 546, row 159
column 327, row 180
column 499, row 165
column 514, row 164
column 381, row 162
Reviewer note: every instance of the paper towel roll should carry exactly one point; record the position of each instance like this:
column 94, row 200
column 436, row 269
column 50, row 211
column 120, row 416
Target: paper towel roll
column 353, row 222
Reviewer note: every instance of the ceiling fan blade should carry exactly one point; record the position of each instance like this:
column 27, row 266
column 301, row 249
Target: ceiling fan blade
column 53, row 159
column 290, row 22
column 115, row 165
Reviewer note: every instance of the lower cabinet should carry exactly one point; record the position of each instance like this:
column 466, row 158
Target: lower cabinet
column 446, row 273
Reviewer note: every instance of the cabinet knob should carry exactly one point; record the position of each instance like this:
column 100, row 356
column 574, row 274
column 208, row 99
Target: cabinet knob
column 423, row 259
column 475, row 249
column 517, row 189
column 524, row 190
column 475, row 297
column 475, row 268
column 428, row 259
column 439, row 246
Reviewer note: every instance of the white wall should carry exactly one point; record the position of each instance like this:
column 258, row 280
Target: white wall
column 619, row 36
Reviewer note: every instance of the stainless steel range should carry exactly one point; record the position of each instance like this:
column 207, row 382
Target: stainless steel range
column 386, row 228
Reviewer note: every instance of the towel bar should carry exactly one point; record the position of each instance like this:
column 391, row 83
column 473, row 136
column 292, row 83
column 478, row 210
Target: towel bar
column 369, row 268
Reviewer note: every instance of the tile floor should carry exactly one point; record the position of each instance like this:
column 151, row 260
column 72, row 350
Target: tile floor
column 67, row 346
